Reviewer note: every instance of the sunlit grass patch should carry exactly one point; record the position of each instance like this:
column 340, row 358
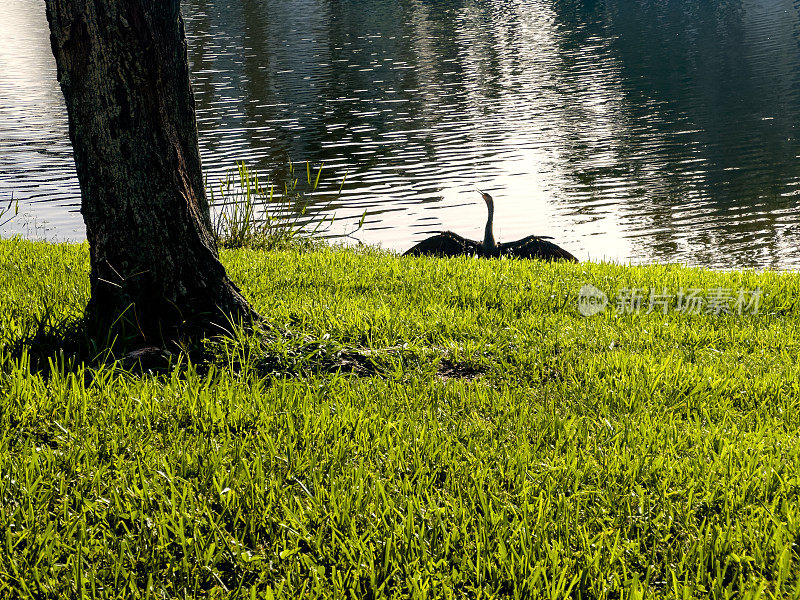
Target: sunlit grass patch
column 407, row 428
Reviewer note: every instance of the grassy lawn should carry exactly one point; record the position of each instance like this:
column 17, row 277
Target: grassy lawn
column 416, row 428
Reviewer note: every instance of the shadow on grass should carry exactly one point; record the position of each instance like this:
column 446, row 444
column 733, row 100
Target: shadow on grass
column 79, row 343
column 449, row 369
column 70, row 345
column 279, row 351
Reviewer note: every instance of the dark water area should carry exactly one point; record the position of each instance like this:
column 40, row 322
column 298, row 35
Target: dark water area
column 654, row 130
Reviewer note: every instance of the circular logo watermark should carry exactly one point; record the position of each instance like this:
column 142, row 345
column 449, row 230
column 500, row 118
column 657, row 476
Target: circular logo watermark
column 591, row 300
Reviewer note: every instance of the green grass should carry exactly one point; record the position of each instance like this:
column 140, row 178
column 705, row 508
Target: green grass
column 249, row 213
column 416, row 428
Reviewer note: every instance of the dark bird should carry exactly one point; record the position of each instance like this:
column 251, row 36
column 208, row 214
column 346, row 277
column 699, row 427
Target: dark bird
column 448, row 243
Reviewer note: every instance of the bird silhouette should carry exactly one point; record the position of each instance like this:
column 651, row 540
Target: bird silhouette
column 448, row 243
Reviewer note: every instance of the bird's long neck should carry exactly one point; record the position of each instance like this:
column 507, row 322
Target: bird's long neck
column 488, row 236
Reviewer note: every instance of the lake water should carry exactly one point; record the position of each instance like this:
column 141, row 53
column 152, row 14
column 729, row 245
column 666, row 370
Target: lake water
column 656, row 130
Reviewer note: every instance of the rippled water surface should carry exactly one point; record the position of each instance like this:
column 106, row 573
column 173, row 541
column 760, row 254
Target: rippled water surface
column 635, row 131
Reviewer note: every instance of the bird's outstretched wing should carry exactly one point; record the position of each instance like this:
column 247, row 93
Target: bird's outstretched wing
column 446, row 243
column 535, row 246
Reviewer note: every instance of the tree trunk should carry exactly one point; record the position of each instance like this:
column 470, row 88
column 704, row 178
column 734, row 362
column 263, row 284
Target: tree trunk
column 124, row 71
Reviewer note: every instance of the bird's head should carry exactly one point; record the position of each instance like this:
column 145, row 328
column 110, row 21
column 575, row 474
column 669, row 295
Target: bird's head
column 486, row 198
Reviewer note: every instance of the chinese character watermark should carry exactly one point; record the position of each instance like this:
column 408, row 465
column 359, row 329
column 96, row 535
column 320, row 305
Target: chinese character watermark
column 629, row 300
column 714, row 301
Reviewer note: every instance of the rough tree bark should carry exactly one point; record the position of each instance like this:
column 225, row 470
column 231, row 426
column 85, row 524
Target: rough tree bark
column 123, row 68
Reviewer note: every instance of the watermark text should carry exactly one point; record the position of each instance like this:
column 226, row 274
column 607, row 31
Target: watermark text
column 713, row 301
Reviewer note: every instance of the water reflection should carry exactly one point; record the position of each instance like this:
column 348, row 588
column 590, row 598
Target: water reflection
column 656, row 130
column 35, row 153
